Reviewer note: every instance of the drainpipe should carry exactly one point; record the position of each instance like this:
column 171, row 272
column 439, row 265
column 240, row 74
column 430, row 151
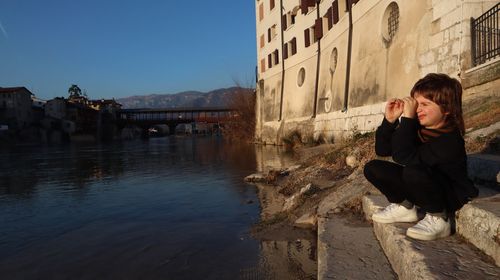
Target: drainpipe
column 282, row 61
column 317, row 66
column 348, row 70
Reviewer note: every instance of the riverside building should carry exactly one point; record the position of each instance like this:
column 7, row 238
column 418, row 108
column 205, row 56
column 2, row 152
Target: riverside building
column 325, row 68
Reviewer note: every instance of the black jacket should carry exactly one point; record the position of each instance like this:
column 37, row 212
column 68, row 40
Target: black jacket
column 444, row 157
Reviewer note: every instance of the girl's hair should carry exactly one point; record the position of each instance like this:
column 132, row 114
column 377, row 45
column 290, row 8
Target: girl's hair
column 445, row 92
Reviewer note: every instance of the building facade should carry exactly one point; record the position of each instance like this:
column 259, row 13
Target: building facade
column 325, row 68
column 16, row 107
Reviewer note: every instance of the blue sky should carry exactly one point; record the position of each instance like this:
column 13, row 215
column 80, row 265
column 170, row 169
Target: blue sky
column 117, row 48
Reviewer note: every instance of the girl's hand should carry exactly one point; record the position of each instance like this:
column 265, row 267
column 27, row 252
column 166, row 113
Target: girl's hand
column 410, row 107
column 393, row 109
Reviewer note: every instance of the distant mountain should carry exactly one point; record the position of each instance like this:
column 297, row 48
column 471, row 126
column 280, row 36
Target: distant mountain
column 215, row 98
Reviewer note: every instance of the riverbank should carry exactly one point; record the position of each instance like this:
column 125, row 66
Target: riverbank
column 326, row 193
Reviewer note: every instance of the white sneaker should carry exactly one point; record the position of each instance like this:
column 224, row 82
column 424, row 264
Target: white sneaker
column 395, row 213
column 430, row 228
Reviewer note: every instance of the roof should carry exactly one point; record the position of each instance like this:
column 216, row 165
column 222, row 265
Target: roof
column 14, row 89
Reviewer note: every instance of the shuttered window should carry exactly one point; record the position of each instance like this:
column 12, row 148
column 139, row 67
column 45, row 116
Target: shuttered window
column 294, row 46
column 271, row 4
column 335, row 11
column 276, row 57
column 269, row 35
column 262, row 41
column 285, row 51
column 261, row 11
column 283, row 22
column 307, row 41
column 329, row 17
column 269, row 60
column 318, row 29
column 262, row 65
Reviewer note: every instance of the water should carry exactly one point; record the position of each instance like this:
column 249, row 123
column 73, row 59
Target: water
column 167, row 208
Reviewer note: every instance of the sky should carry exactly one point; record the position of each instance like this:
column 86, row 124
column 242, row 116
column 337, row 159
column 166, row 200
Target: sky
column 119, row 48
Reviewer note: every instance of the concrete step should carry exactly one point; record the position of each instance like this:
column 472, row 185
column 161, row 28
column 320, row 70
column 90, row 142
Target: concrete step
column 447, row 258
column 348, row 249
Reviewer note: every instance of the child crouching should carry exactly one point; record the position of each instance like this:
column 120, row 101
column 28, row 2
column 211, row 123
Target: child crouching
column 431, row 164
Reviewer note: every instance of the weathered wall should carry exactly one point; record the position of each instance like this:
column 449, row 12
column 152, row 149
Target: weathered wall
column 432, row 36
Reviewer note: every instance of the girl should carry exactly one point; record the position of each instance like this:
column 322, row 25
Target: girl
column 428, row 147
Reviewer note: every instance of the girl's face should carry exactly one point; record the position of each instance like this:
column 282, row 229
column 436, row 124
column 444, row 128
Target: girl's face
column 429, row 113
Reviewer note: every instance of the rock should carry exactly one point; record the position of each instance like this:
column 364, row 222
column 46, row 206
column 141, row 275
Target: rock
column 306, row 221
column 292, row 200
column 256, row 177
column 351, row 161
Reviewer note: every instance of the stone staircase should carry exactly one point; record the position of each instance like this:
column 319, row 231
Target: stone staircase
column 473, row 252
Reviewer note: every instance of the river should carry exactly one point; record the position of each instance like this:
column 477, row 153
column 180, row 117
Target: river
column 163, row 208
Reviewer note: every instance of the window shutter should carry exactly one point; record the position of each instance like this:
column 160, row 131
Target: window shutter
column 294, row 46
column 271, row 4
column 283, row 22
column 318, row 29
column 306, row 38
column 335, row 12
column 311, row 3
column 262, row 65
column 328, row 15
column 261, row 11
column 269, row 35
column 276, row 57
column 269, row 61
column 285, row 51
column 304, row 6
column 262, row 41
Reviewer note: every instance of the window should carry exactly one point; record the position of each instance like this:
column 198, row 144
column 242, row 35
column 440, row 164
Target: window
column 332, row 15
column 271, row 4
column 333, row 60
column 261, row 11
column 269, row 61
column 262, row 41
column 293, row 44
column 271, row 33
column 301, row 76
column 285, row 51
column 276, row 57
column 307, row 41
column 306, row 4
column 390, row 23
column 262, row 65
column 318, row 29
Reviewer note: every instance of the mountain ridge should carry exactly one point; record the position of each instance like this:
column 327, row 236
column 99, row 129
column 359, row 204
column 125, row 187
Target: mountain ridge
column 216, row 98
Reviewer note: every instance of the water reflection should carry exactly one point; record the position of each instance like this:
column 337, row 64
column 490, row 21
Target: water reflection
column 167, row 208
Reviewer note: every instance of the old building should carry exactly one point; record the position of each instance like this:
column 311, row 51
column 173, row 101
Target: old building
column 325, row 68
column 16, row 107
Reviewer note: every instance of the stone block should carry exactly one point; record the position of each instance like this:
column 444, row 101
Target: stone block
column 436, row 40
column 427, row 58
column 306, row 221
column 479, row 223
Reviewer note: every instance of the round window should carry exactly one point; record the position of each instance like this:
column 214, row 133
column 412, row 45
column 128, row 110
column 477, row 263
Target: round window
column 301, row 77
column 390, row 23
column 333, row 60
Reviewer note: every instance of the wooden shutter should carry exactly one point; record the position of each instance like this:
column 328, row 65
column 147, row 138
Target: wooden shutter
column 318, row 29
column 269, row 35
column 283, row 22
column 304, row 6
column 262, row 65
column 328, row 15
column 276, row 57
column 294, row 46
column 262, row 41
column 261, row 11
column 285, row 51
column 271, row 4
column 306, row 38
column 311, row 3
column 335, row 12
column 269, row 60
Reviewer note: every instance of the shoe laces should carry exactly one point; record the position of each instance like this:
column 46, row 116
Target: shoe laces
column 429, row 220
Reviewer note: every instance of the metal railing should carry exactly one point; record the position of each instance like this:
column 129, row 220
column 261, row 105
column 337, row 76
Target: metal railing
column 485, row 36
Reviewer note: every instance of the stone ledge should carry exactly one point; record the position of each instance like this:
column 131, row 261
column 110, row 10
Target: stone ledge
column 479, row 223
column 440, row 259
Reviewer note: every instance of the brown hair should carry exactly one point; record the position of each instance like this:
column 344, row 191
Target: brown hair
column 445, row 92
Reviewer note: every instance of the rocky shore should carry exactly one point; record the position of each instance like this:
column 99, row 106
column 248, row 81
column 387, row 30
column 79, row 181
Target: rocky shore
column 327, row 194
